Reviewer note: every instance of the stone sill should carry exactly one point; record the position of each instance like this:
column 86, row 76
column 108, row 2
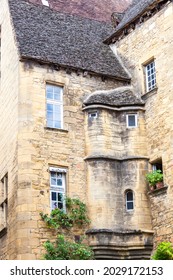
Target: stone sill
column 159, row 191
column 148, row 94
column 56, row 129
column 3, row 231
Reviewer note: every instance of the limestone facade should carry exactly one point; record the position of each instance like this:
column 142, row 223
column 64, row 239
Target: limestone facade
column 152, row 40
column 102, row 156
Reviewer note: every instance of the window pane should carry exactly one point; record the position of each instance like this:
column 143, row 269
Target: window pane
column 131, row 120
column 50, row 123
column 59, row 182
column 60, row 197
column 60, row 205
column 54, row 196
column 57, row 124
column 129, row 196
column 49, row 107
column 129, row 205
column 53, row 181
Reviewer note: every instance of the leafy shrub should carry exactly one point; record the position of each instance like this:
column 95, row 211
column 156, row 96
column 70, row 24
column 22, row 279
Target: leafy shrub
column 164, row 251
column 75, row 217
column 62, row 249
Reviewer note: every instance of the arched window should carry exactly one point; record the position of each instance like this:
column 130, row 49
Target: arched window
column 129, row 200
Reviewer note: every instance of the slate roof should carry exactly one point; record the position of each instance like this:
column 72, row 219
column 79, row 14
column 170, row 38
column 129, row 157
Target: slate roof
column 66, row 40
column 135, row 10
column 122, row 96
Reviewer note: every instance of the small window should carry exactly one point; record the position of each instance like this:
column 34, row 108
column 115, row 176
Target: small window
column 131, row 120
column 157, row 165
column 150, row 74
column 93, row 115
column 129, row 201
column 3, row 202
column 54, row 97
column 57, row 189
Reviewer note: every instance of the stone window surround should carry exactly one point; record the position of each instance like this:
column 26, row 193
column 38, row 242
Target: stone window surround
column 129, row 201
column 53, row 102
column 54, row 188
column 135, row 120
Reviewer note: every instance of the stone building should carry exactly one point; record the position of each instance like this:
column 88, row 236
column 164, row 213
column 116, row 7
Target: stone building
column 78, row 119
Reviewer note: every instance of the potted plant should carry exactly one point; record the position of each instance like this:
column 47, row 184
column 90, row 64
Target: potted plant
column 155, row 179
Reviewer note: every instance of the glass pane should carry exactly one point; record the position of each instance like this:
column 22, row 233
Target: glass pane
column 50, row 115
column 129, row 196
column 60, row 197
column 54, row 195
column 129, row 205
column 59, row 182
column 60, row 205
column 50, row 123
column 57, row 96
column 57, row 109
column 131, row 120
column 49, row 107
column 49, row 95
column 53, row 181
column 54, row 205
column 57, row 124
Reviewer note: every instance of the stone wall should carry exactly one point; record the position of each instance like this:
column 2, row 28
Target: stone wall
column 8, row 127
column 153, row 39
column 40, row 147
column 116, row 162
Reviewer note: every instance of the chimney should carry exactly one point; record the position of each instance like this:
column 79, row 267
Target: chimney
column 45, row 2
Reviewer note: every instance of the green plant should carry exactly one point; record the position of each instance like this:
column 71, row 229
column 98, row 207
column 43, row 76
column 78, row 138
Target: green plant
column 154, row 177
column 76, row 214
column 66, row 222
column 164, row 251
column 63, row 249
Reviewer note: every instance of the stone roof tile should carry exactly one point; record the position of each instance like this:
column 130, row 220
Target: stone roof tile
column 52, row 37
column 122, row 96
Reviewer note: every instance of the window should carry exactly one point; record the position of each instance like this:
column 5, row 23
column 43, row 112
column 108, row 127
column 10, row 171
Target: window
column 57, row 188
column 93, row 115
column 157, row 165
column 150, row 74
column 54, row 95
column 131, row 120
column 3, row 202
column 129, row 201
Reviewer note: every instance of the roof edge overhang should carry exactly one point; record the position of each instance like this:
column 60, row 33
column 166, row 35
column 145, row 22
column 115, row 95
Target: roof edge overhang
column 131, row 24
column 128, row 107
column 69, row 69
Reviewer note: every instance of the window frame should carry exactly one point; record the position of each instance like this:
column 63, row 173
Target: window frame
column 54, row 102
column 93, row 115
column 129, row 201
column 148, row 74
column 54, row 188
column 136, row 120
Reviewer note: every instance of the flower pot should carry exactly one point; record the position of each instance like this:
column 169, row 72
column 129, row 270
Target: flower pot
column 159, row 185
column 152, row 188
